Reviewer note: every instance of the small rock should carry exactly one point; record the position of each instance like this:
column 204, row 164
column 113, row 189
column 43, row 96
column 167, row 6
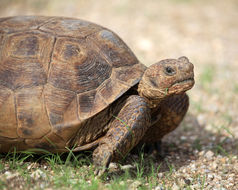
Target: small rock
column 184, row 170
column 187, row 181
column 192, row 166
column 7, row 173
column 160, row 175
column 38, row 174
column 222, row 139
column 209, row 154
column 201, row 153
column 214, row 165
column 223, row 160
column 183, row 138
column 10, row 176
column 195, row 186
column 207, row 171
column 43, row 185
column 175, row 187
column 195, row 151
column 30, row 166
column 112, row 166
column 213, row 138
column 159, row 187
column 135, row 185
column 126, row 167
column 210, row 176
column 180, row 182
column 122, row 183
column 201, row 119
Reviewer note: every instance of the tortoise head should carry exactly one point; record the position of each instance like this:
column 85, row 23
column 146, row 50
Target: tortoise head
column 166, row 78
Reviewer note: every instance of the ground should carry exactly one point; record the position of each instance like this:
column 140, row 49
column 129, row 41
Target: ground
column 203, row 152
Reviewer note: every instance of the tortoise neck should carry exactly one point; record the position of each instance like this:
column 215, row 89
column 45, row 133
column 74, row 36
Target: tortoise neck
column 153, row 103
column 153, row 96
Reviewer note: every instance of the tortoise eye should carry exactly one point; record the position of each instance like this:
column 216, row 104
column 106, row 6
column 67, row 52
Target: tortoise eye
column 169, row 71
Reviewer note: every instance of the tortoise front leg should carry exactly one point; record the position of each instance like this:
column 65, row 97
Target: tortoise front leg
column 126, row 129
column 164, row 120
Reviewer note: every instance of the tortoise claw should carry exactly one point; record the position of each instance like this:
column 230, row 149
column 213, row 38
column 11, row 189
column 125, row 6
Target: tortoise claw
column 100, row 171
column 101, row 160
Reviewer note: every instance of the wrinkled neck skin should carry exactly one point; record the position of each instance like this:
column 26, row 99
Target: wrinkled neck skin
column 153, row 96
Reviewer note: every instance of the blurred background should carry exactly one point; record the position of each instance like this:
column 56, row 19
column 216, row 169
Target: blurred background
column 206, row 31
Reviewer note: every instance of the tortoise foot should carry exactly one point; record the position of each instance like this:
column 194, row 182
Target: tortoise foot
column 101, row 159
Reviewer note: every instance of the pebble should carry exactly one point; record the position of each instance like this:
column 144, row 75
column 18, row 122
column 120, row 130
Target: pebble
column 126, row 167
column 192, row 166
column 209, row 154
column 38, row 174
column 135, row 185
column 223, row 160
column 159, row 187
column 112, row 167
column 201, row 153
column 214, row 165
column 175, row 187
column 122, row 183
column 187, row 181
column 201, row 119
column 10, row 175
column 210, row 176
column 160, row 175
column 183, row 138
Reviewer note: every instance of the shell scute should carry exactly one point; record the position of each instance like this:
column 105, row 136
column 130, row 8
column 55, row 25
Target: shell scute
column 31, row 115
column 70, row 27
column 114, row 49
column 85, row 71
column 24, row 60
column 8, row 126
column 22, row 23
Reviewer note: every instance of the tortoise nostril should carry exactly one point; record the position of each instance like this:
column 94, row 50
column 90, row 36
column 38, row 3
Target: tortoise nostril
column 153, row 83
column 187, row 67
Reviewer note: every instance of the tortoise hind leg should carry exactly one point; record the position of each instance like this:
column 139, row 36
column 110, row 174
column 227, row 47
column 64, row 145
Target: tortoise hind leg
column 164, row 120
column 125, row 130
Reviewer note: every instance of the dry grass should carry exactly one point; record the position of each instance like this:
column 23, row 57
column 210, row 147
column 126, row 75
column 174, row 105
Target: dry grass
column 203, row 152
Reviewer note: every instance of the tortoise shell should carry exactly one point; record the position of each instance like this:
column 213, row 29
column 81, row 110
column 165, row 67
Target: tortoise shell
column 57, row 72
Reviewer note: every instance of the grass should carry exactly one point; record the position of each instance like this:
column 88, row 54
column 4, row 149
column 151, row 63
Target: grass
column 236, row 88
column 66, row 171
column 75, row 171
column 197, row 144
column 207, row 76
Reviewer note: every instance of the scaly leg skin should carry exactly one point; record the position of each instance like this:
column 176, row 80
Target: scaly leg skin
column 164, row 120
column 126, row 129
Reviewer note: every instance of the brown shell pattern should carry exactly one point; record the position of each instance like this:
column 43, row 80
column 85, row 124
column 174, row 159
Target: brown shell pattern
column 57, row 72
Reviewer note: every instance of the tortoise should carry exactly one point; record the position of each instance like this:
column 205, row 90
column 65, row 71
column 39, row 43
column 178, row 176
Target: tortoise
column 69, row 84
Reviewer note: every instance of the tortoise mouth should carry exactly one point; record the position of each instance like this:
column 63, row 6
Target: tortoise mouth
column 185, row 81
column 182, row 85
